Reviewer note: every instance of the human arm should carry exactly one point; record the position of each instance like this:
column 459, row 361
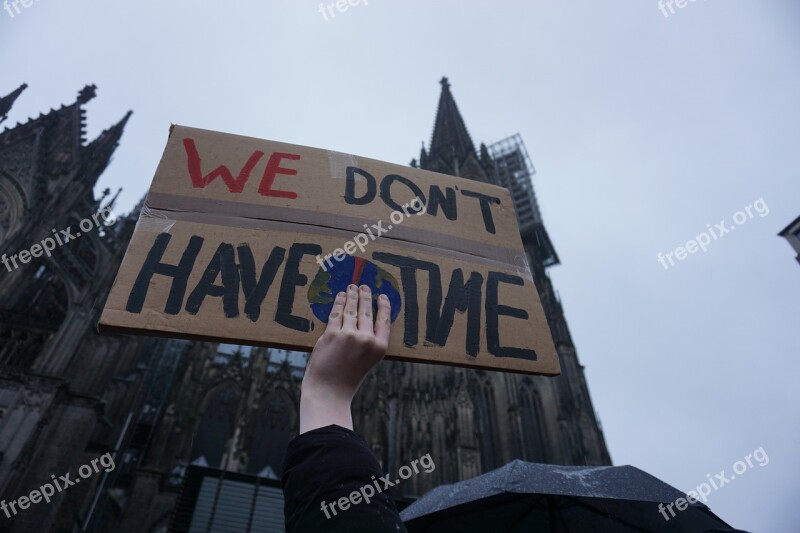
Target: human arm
column 329, row 476
column 345, row 353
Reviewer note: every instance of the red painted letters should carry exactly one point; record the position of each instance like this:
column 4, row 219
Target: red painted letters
column 237, row 184
column 272, row 170
column 234, row 184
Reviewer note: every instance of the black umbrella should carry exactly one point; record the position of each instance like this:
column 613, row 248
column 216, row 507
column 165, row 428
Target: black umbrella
column 534, row 497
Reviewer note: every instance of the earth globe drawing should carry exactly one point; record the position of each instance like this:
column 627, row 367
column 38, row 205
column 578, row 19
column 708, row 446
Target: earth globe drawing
column 351, row 270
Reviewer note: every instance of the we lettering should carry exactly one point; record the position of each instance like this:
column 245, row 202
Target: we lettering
column 236, row 184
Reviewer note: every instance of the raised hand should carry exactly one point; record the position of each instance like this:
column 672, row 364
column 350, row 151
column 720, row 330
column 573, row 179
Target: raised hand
column 342, row 357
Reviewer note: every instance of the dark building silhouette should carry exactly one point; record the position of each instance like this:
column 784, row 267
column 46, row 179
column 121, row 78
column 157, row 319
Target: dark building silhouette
column 792, row 235
column 168, row 407
column 66, row 394
column 472, row 421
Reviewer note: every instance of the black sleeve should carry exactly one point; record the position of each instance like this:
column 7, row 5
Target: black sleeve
column 328, row 468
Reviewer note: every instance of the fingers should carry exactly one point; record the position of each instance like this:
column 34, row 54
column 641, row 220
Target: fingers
column 337, row 311
column 365, row 309
column 351, row 309
column 383, row 323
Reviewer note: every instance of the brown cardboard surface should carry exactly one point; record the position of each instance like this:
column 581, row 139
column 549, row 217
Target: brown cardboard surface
column 234, row 258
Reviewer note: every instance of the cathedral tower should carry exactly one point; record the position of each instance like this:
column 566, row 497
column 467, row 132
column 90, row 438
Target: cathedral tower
column 472, row 421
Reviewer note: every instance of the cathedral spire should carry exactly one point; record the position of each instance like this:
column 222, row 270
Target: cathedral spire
column 87, row 93
column 110, row 205
column 451, row 142
column 109, row 139
column 7, row 101
column 100, row 150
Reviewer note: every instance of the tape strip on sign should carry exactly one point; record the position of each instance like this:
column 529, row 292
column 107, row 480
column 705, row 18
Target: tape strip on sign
column 171, row 205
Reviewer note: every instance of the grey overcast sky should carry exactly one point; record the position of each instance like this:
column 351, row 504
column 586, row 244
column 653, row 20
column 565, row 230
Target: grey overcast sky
column 643, row 129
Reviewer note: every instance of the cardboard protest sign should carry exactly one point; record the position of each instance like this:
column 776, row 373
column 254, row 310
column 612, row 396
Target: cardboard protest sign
column 248, row 241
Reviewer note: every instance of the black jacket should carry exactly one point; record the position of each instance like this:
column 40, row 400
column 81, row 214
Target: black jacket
column 328, row 475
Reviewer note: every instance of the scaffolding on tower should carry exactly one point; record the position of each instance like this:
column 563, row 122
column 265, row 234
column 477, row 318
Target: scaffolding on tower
column 515, row 172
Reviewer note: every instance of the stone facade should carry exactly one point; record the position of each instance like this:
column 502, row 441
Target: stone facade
column 65, row 392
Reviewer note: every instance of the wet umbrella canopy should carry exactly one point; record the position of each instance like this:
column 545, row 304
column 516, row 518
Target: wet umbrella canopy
column 535, row 497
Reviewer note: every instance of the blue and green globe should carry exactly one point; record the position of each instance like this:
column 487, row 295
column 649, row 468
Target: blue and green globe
column 355, row 270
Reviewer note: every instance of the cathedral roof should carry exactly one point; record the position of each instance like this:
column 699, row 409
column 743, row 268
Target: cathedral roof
column 451, row 141
column 7, row 101
column 451, row 150
column 98, row 153
column 44, row 151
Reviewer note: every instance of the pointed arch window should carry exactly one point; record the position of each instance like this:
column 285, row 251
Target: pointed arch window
column 484, row 422
column 533, row 435
column 273, row 430
column 12, row 207
column 216, row 425
column 33, row 311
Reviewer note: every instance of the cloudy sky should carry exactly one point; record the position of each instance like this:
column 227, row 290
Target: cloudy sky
column 644, row 129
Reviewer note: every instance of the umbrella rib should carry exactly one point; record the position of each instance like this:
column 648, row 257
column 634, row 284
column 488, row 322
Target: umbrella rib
column 531, row 509
column 552, row 505
column 563, row 521
column 608, row 515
